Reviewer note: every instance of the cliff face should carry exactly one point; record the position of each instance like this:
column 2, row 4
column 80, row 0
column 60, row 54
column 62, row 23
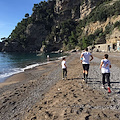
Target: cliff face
column 47, row 28
column 75, row 9
column 35, row 35
column 110, row 38
column 86, row 8
column 68, row 9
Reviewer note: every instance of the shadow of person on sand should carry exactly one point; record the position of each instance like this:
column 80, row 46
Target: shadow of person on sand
column 116, row 88
column 96, row 81
column 89, row 79
column 74, row 78
column 114, row 82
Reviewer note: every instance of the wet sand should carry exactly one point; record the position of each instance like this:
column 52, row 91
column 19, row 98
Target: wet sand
column 41, row 94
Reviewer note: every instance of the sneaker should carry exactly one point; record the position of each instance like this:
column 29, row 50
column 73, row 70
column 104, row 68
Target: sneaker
column 109, row 91
column 103, row 87
column 83, row 79
column 63, row 78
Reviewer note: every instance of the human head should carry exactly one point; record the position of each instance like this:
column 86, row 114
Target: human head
column 86, row 49
column 106, row 56
column 63, row 58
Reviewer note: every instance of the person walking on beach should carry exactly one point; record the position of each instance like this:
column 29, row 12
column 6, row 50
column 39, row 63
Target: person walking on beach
column 85, row 60
column 64, row 68
column 105, row 69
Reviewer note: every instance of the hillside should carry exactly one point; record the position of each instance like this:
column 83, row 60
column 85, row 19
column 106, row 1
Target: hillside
column 65, row 24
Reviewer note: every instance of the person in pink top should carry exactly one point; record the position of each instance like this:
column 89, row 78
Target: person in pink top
column 105, row 69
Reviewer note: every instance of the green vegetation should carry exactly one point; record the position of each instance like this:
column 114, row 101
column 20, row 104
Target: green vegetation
column 117, row 25
column 103, row 11
column 100, row 13
column 44, row 14
column 67, row 32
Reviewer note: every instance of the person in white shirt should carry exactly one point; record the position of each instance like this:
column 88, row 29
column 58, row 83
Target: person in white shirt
column 105, row 69
column 64, row 68
column 85, row 60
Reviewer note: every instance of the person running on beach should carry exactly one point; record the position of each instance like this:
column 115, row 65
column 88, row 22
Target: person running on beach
column 85, row 60
column 105, row 69
column 64, row 68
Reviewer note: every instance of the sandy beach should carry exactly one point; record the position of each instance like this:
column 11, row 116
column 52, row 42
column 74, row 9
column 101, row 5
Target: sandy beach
column 41, row 94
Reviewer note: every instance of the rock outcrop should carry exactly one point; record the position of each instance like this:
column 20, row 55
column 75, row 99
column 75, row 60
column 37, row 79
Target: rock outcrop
column 1, row 45
column 44, row 26
column 86, row 8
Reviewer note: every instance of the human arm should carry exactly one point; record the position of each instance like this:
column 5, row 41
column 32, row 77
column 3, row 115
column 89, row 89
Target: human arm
column 91, row 57
column 101, row 64
column 81, row 58
column 110, row 66
column 65, row 65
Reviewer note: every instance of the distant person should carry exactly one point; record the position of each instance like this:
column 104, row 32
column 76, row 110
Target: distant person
column 48, row 57
column 105, row 69
column 85, row 60
column 64, row 68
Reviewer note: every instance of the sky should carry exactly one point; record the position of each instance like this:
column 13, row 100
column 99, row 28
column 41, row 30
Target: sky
column 12, row 12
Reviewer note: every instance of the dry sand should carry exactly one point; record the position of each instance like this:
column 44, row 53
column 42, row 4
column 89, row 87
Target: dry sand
column 40, row 94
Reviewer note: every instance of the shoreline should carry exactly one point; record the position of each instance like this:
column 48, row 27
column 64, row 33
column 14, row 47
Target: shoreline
column 41, row 94
column 21, row 76
column 30, row 67
column 17, row 70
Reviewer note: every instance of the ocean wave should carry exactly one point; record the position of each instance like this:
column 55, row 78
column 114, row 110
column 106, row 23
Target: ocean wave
column 10, row 72
column 7, row 71
column 62, row 57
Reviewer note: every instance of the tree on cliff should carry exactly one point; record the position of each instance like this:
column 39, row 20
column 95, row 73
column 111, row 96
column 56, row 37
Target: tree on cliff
column 4, row 39
column 45, row 25
column 26, row 15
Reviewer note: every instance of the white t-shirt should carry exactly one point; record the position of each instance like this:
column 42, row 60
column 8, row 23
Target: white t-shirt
column 86, row 57
column 106, row 66
column 63, row 64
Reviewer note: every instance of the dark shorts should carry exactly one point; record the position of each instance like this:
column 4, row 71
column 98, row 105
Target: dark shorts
column 86, row 67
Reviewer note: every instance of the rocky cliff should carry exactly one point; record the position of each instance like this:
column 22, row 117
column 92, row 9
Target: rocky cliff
column 65, row 24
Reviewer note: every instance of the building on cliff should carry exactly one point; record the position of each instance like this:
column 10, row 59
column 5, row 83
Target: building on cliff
column 109, row 47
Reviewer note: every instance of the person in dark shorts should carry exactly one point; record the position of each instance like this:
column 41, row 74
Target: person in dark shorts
column 85, row 60
column 64, row 68
column 105, row 69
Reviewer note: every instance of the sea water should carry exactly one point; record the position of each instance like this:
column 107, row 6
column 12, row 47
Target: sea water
column 13, row 63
